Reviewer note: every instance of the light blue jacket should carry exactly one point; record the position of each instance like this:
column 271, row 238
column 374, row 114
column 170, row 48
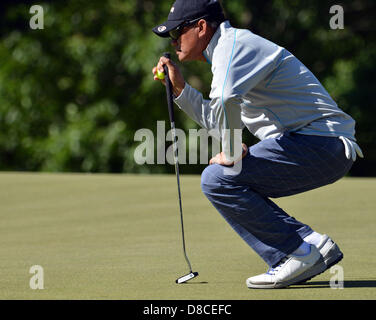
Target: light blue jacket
column 262, row 86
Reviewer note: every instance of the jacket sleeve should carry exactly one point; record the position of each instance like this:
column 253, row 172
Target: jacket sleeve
column 220, row 115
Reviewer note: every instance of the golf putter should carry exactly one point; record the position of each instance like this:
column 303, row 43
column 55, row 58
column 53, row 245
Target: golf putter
column 170, row 105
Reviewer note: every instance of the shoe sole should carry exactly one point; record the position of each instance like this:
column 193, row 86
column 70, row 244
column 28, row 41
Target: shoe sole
column 334, row 255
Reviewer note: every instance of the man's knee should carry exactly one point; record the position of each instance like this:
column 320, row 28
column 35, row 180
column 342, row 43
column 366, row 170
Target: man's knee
column 212, row 178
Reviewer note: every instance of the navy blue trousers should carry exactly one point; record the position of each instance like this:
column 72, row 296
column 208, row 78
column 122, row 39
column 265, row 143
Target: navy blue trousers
column 290, row 164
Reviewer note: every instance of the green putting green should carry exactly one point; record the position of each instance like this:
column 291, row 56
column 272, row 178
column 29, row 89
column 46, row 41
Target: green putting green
column 118, row 237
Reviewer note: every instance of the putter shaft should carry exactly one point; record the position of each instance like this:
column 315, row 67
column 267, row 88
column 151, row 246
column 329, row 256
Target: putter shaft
column 176, row 160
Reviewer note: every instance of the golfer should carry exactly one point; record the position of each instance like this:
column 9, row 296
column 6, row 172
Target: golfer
column 306, row 140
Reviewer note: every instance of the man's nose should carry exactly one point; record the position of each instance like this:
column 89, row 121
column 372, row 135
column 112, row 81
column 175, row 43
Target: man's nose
column 174, row 42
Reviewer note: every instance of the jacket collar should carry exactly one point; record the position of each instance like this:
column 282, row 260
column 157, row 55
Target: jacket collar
column 208, row 52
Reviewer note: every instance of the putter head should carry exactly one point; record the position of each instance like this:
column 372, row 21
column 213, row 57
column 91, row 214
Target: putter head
column 187, row 277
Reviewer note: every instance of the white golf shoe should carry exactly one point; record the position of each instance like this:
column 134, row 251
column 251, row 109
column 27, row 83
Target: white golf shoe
column 292, row 270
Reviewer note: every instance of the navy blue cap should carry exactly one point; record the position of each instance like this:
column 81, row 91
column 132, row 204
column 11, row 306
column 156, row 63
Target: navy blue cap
column 186, row 10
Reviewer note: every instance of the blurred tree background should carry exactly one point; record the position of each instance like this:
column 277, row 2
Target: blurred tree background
column 73, row 95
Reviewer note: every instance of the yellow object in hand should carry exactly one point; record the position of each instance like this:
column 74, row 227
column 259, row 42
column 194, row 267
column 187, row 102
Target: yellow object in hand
column 160, row 75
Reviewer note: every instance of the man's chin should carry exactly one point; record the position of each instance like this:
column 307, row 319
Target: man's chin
column 182, row 56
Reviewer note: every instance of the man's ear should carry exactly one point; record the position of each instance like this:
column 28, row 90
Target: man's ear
column 203, row 27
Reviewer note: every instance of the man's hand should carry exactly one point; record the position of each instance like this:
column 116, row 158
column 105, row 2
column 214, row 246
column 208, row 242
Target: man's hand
column 174, row 73
column 220, row 158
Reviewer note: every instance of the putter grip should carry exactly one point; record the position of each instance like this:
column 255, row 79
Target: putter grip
column 170, row 102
